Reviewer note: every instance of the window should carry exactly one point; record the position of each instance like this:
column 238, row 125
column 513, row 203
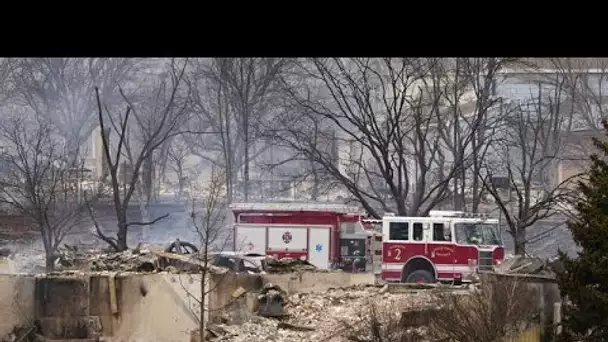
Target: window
column 438, row 233
column 250, row 266
column 418, row 231
column 398, row 231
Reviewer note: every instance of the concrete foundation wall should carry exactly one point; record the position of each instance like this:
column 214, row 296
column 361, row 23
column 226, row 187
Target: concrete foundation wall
column 547, row 290
column 222, row 286
column 16, row 302
column 317, row 281
column 157, row 307
column 141, row 307
column 225, row 298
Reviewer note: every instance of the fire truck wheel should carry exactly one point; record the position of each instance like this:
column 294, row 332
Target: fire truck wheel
column 420, row 276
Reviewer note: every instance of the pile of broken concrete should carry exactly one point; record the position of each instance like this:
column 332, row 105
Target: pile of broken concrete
column 271, row 301
column 131, row 260
column 313, row 316
column 288, row 265
column 151, row 259
column 528, row 265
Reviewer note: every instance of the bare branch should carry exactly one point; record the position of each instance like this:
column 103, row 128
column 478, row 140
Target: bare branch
column 152, row 120
column 148, row 223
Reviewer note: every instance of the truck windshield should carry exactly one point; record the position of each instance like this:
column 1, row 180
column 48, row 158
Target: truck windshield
column 477, row 233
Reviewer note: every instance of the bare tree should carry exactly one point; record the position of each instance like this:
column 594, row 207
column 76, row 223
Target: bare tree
column 231, row 95
column 585, row 83
column 151, row 99
column 209, row 230
column 211, row 105
column 41, row 180
column 586, row 87
column 6, row 88
column 469, row 92
column 526, row 149
column 59, row 89
column 207, row 221
column 166, row 122
column 388, row 116
column 177, row 154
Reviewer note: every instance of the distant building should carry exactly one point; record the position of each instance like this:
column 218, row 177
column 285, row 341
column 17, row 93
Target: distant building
column 93, row 154
column 575, row 153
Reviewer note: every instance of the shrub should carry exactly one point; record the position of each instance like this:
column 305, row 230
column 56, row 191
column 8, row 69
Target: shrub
column 497, row 309
column 584, row 280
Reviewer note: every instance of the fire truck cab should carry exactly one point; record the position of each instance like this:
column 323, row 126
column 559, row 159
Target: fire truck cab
column 329, row 236
column 445, row 246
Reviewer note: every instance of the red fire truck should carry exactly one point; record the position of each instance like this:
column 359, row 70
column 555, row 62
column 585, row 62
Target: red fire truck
column 374, row 244
column 446, row 246
column 326, row 235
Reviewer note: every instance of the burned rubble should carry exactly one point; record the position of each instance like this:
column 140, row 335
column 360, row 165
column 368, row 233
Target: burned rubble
column 528, row 265
column 155, row 258
column 314, row 316
column 140, row 259
column 271, row 301
column 5, row 252
column 137, row 260
column 288, row 265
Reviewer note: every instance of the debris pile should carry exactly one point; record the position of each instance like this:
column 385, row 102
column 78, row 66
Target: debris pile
column 346, row 304
column 288, row 265
column 271, row 301
column 151, row 259
column 5, row 252
column 527, row 265
column 136, row 260
column 316, row 316
column 258, row 329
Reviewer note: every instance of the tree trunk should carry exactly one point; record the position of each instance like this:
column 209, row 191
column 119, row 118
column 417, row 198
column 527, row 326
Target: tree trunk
column 315, row 182
column 204, row 279
column 50, row 261
column 180, row 181
column 122, row 234
column 463, row 184
column 147, row 178
column 246, row 152
column 144, row 209
column 203, row 325
column 229, row 190
column 246, row 171
column 476, row 188
column 520, row 241
column 47, row 241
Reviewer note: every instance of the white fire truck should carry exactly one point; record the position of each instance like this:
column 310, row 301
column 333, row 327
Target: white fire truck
column 326, row 235
column 445, row 246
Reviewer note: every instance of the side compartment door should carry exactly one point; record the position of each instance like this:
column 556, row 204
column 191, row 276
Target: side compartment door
column 318, row 250
column 250, row 239
column 287, row 241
